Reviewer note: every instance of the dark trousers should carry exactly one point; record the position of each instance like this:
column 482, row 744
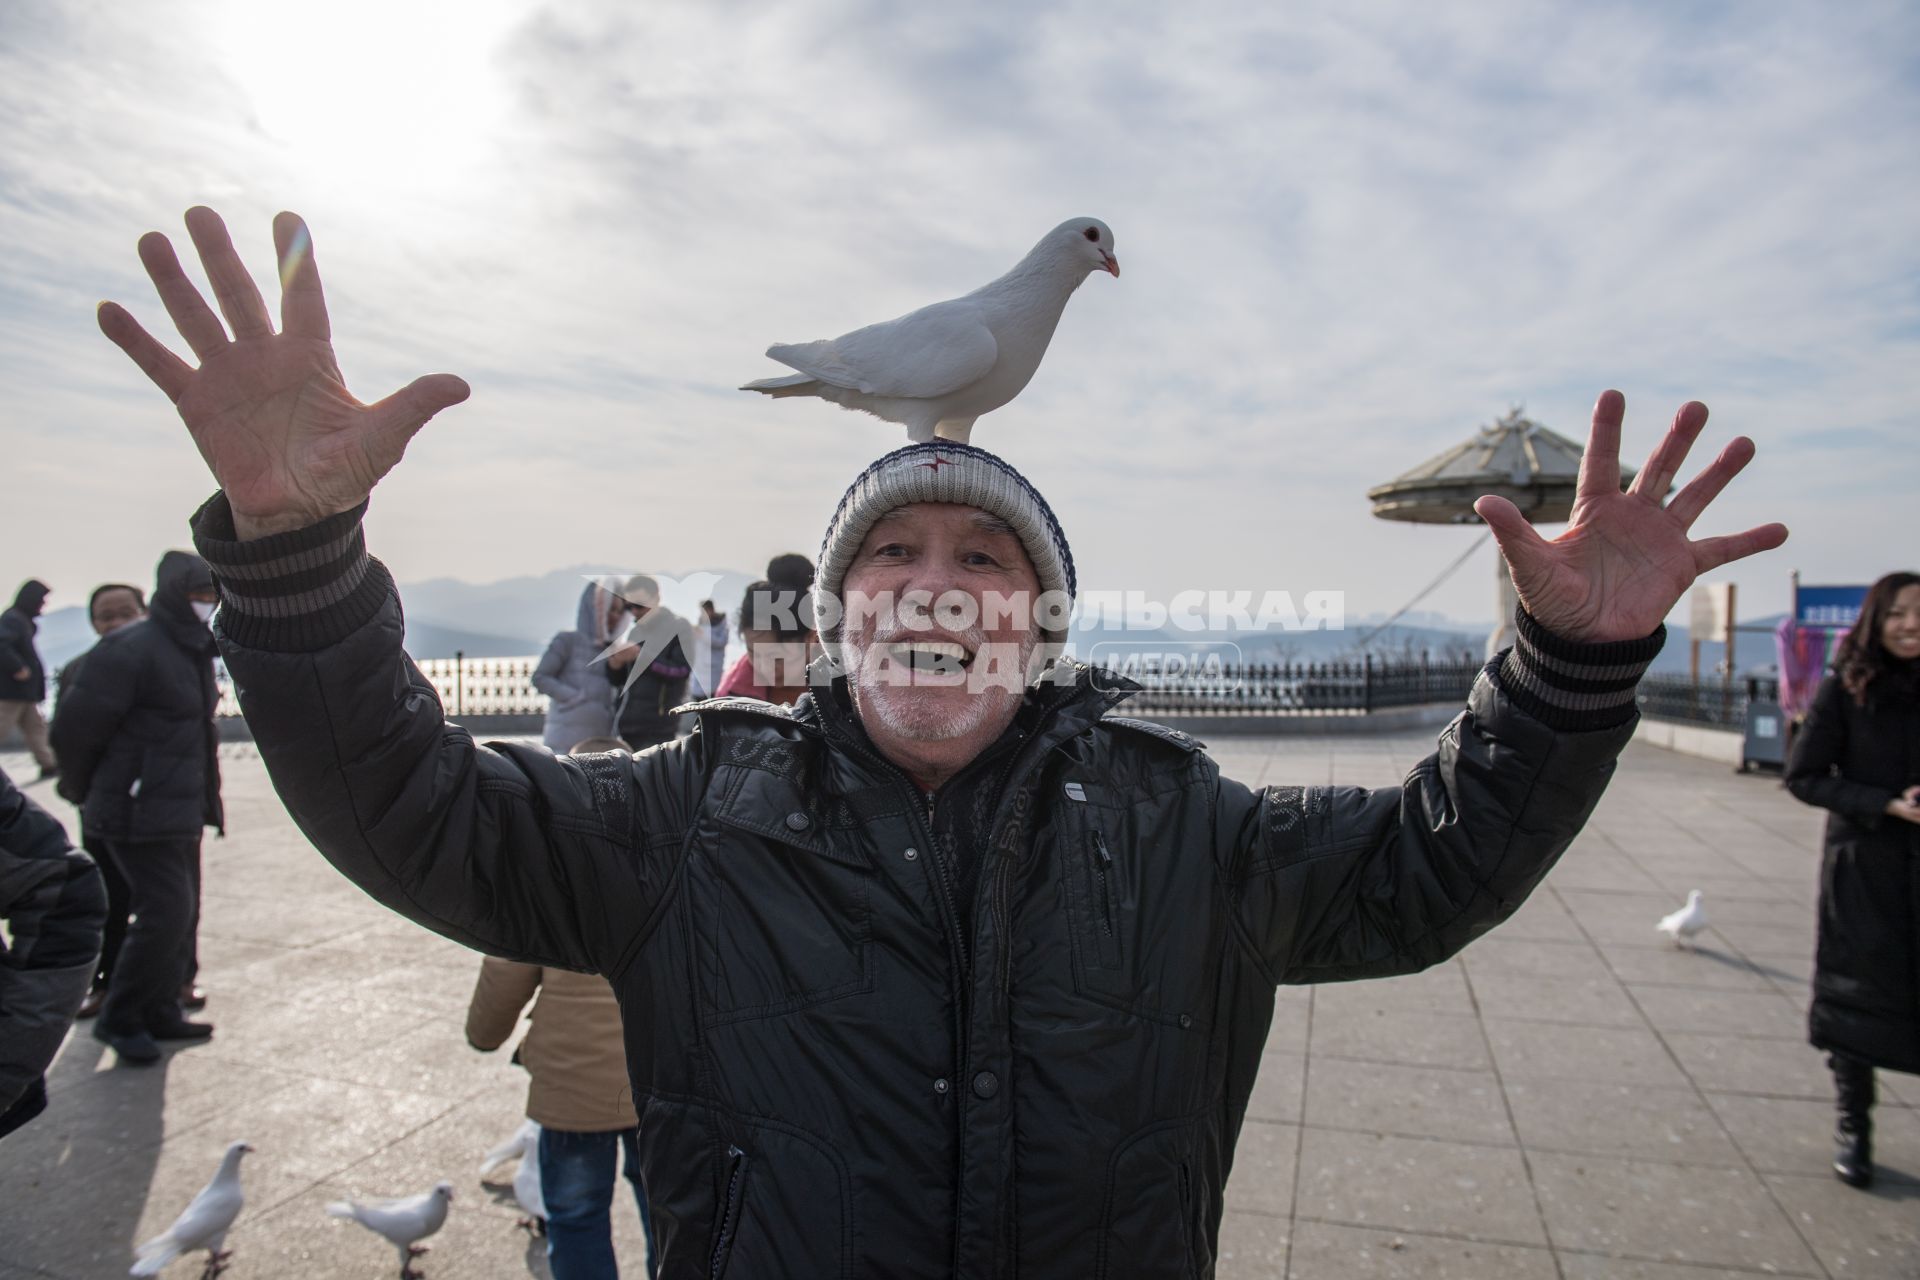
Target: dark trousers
column 119, row 906
column 156, row 958
column 576, row 1181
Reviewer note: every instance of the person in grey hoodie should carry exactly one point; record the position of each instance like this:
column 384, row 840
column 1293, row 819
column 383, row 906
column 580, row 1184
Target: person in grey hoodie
column 582, row 698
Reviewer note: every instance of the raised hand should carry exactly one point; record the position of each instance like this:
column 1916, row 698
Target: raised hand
column 269, row 411
column 1625, row 560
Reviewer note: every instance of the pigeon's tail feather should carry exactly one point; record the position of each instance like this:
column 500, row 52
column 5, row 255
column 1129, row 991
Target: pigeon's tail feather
column 341, row 1209
column 794, row 384
column 154, row 1255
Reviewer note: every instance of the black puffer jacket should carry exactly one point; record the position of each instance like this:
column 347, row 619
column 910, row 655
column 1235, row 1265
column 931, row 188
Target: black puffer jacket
column 17, row 650
column 134, row 728
column 54, row 903
column 834, row 1077
column 1851, row 760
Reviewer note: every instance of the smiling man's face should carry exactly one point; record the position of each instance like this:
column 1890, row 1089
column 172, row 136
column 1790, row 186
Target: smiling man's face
column 939, row 634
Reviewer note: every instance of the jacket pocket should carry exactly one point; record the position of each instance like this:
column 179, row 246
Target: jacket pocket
column 1159, row 1202
column 779, row 925
column 726, row 1226
column 1140, row 914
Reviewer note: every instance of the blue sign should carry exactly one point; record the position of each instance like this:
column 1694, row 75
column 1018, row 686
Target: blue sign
column 1828, row 606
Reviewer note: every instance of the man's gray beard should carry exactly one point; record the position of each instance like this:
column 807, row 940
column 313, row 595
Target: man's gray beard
column 906, row 716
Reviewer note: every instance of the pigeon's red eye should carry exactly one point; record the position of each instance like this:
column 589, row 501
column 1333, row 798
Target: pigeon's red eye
column 1091, row 233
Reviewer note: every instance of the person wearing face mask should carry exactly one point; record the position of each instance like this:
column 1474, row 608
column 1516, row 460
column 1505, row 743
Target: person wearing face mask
column 136, row 737
column 23, row 681
column 111, row 606
column 1858, row 756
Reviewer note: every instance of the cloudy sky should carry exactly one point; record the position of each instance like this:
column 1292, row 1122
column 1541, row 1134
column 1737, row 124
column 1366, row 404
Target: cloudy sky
column 1350, row 235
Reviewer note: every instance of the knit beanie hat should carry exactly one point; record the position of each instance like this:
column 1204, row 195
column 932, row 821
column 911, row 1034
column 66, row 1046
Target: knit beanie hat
column 940, row 471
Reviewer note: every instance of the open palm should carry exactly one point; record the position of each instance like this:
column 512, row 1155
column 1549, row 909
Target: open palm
column 1625, row 559
column 269, row 411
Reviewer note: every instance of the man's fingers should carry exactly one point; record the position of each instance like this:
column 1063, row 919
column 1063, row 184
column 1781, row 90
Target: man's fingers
column 1710, row 553
column 1600, row 464
column 233, row 288
column 303, row 307
column 1705, row 487
column 169, row 372
column 1519, row 541
column 1671, row 453
column 404, row 412
column 191, row 314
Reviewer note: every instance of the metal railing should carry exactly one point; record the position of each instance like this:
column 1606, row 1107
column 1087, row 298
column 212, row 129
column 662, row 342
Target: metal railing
column 1716, row 704
column 503, row 687
column 485, row 686
column 1295, row 689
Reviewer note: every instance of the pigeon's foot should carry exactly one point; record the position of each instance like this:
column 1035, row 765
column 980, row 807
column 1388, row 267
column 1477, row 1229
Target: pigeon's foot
column 216, row 1263
column 415, row 1250
column 532, row 1226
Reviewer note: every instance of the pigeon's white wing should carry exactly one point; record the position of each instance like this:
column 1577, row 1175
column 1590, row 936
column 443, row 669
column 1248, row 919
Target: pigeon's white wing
column 521, row 1144
column 928, row 353
column 400, row 1221
column 211, row 1214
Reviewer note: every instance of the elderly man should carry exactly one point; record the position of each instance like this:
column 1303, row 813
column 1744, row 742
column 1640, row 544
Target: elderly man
column 927, row 975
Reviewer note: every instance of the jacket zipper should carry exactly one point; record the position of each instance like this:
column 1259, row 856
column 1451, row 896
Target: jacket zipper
column 729, row 1213
column 1102, row 870
column 949, row 891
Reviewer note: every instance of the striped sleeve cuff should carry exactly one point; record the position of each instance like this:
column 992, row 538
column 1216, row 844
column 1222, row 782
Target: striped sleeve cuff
column 1573, row 687
column 291, row 592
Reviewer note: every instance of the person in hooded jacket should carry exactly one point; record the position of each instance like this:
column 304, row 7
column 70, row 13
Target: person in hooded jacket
column 52, row 901
column 1858, row 756
column 23, row 680
column 581, row 699
column 139, row 747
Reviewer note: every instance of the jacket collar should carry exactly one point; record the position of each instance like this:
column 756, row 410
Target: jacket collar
column 1069, row 701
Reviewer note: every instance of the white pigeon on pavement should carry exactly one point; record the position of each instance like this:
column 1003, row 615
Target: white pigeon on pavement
column 404, row 1222
column 1687, row 921
column 525, row 1145
column 203, row 1225
column 937, row 369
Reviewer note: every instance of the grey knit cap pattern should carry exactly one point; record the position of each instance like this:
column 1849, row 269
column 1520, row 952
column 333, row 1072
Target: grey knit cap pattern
column 942, row 471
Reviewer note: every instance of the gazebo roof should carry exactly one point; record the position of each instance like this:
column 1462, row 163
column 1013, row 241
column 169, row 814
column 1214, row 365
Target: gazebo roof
column 1517, row 458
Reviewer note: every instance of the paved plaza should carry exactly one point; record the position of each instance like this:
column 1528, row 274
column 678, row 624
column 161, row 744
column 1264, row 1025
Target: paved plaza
column 1572, row 1098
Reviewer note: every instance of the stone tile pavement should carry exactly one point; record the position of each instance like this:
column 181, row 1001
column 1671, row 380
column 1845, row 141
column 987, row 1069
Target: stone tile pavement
column 1570, row 1099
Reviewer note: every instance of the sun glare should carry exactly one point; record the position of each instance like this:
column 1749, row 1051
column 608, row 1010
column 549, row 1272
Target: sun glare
column 400, row 94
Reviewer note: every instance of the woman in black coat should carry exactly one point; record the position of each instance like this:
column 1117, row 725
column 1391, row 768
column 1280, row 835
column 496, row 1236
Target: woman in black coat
column 1858, row 755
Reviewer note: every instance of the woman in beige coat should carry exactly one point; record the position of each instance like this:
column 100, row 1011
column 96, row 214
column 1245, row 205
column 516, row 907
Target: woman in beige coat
column 580, row 1097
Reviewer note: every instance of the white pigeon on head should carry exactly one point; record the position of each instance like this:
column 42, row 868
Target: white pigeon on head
column 937, row 369
column 1687, row 921
column 203, row 1225
column 404, row 1222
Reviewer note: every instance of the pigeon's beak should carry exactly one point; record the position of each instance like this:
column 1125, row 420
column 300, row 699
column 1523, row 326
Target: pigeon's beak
column 1111, row 263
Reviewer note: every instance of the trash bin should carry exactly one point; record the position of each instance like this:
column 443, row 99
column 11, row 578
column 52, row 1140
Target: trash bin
column 1765, row 740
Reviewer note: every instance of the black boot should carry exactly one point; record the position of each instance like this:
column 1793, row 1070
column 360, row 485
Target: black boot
column 1853, row 1134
